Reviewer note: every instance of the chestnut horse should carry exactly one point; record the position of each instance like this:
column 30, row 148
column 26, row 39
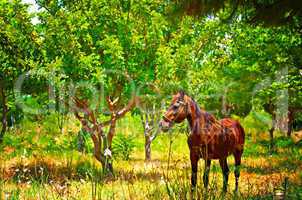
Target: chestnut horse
column 209, row 138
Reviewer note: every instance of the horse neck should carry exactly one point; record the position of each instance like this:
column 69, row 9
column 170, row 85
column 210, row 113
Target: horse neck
column 199, row 119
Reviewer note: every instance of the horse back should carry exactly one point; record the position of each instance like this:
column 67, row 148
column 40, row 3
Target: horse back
column 218, row 141
column 235, row 129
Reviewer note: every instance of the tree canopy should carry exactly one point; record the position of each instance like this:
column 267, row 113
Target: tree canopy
column 113, row 49
column 272, row 13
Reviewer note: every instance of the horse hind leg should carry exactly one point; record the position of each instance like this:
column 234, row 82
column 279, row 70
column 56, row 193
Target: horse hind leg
column 225, row 170
column 237, row 155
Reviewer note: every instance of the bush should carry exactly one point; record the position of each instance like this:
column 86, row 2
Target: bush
column 256, row 122
column 123, row 146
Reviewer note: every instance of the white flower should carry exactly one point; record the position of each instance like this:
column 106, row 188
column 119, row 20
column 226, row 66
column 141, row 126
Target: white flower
column 162, row 181
column 6, row 195
column 107, row 152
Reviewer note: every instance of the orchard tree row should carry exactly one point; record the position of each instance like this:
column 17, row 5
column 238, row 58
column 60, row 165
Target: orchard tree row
column 101, row 59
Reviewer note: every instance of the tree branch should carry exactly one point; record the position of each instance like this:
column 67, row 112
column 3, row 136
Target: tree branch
column 82, row 104
column 126, row 109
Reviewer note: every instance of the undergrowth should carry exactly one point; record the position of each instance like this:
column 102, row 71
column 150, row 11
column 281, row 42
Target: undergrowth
column 36, row 164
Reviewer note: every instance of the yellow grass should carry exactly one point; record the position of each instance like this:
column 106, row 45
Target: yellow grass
column 74, row 175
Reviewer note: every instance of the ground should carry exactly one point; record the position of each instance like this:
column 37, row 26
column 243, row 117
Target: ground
column 36, row 165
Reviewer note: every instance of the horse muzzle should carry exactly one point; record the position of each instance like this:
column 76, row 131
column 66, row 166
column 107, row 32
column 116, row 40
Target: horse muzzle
column 164, row 125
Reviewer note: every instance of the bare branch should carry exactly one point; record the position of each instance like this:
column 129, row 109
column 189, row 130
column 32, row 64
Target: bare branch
column 142, row 120
column 120, row 113
column 112, row 104
column 83, row 104
column 155, row 134
column 115, row 101
column 126, row 109
column 84, row 123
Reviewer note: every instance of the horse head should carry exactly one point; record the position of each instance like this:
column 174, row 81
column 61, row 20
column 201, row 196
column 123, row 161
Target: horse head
column 177, row 111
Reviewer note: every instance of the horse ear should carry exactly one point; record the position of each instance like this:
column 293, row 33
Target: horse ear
column 182, row 94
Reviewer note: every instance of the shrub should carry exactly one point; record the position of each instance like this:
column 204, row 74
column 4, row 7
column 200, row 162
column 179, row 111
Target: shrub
column 123, row 146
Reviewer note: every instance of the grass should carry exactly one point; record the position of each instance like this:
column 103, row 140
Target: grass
column 38, row 163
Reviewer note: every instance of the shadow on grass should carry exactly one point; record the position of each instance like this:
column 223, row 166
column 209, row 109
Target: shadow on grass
column 46, row 172
column 281, row 142
column 261, row 170
column 286, row 156
column 132, row 176
column 261, row 148
column 282, row 165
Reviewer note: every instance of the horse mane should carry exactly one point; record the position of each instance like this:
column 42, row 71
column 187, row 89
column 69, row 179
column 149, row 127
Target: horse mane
column 196, row 107
column 208, row 120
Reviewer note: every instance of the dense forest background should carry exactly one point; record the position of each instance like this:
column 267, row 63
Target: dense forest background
column 106, row 70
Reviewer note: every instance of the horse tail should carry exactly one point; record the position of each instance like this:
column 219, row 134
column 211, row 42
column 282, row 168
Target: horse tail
column 241, row 133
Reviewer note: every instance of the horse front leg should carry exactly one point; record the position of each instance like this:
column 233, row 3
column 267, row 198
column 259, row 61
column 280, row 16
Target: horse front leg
column 225, row 170
column 206, row 173
column 194, row 166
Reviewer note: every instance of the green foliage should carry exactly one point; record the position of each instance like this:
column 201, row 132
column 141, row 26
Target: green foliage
column 257, row 122
column 99, row 48
column 78, row 173
column 118, row 46
column 123, row 146
column 284, row 142
column 85, row 169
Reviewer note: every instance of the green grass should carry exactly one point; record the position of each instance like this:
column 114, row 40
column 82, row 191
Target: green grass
column 38, row 163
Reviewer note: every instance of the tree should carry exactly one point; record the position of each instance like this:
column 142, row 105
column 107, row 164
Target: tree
column 91, row 124
column 107, row 46
column 232, row 65
column 150, row 115
column 262, row 64
column 19, row 52
column 149, row 122
column 259, row 11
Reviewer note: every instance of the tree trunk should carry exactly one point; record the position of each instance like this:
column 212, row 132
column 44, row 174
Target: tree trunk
column 148, row 121
column 111, row 133
column 271, row 134
column 4, row 114
column 145, row 123
column 107, row 156
column 107, row 167
column 100, row 145
column 290, row 122
column 107, row 148
column 271, row 109
column 147, row 148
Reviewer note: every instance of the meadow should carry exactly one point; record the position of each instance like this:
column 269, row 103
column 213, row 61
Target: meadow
column 40, row 162
column 109, row 68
